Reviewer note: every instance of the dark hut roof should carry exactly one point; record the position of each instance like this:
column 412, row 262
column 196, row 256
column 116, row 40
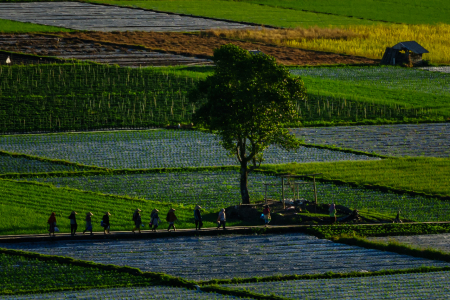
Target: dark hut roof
column 411, row 46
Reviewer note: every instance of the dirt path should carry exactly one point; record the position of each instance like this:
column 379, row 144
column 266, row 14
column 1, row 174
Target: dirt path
column 196, row 45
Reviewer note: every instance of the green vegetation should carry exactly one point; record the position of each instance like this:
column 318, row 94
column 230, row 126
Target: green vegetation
column 27, row 275
column 29, row 205
column 242, row 12
column 8, row 26
column 379, row 230
column 245, row 102
column 403, row 11
column 422, row 176
column 90, row 96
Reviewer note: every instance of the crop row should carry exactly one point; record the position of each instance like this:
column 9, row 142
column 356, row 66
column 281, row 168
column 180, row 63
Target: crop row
column 90, row 96
column 432, row 285
column 19, row 273
column 152, row 149
column 202, row 258
column 216, row 189
column 392, row 140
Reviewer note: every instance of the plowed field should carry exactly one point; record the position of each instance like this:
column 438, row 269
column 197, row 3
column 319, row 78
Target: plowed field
column 197, row 45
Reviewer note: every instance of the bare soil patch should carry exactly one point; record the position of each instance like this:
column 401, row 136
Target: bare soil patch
column 203, row 46
column 75, row 48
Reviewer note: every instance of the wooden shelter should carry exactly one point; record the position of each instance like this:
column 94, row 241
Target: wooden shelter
column 409, row 53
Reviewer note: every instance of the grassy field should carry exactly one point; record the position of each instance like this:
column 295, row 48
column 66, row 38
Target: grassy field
column 425, row 175
column 28, row 207
column 403, row 11
column 242, row 11
column 8, row 26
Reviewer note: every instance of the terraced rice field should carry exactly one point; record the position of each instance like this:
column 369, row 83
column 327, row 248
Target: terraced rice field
column 151, row 149
column 217, row 189
column 409, row 79
column 84, row 16
column 202, row 258
column 394, row 140
column 434, row 241
column 152, row 292
column 74, row 48
column 10, row 164
column 433, row 285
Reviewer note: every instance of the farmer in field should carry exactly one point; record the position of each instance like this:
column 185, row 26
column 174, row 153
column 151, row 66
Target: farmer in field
column 171, row 218
column 52, row 222
column 105, row 222
column 73, row 222
column 221, row 219
column 88, row 223
column 154, row 219
column 332, row 213
column 137, row 220
column 266, row 213
column 198, row 217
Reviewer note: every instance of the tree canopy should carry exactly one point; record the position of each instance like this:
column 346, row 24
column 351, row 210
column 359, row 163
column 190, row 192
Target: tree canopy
column 246, row 102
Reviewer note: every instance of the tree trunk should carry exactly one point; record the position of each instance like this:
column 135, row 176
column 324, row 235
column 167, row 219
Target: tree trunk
column 243, row 185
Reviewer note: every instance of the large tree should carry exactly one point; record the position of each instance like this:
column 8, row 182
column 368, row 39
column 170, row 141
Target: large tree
column 246, row 102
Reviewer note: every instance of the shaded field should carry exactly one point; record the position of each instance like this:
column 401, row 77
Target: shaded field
column 431, row 140
column 85, row 16
column 405, row 286
column 152, row 149
column 31, row 275
column 154, row 292
column 204, row 44
column 232, row 256
column 9, row 164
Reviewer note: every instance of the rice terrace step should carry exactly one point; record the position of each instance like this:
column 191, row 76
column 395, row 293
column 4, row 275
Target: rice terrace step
column 205, row 258
column 105, row 114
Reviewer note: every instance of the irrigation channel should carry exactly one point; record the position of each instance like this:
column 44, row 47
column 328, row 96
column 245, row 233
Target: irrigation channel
column 395, row 140
column 74, row 48
column 84, row 16
column 203, row 258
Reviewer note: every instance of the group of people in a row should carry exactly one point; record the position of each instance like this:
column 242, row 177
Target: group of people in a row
column 137, row 219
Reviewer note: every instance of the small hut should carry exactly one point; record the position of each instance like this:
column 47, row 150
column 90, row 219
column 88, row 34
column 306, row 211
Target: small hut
column 409, row 53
